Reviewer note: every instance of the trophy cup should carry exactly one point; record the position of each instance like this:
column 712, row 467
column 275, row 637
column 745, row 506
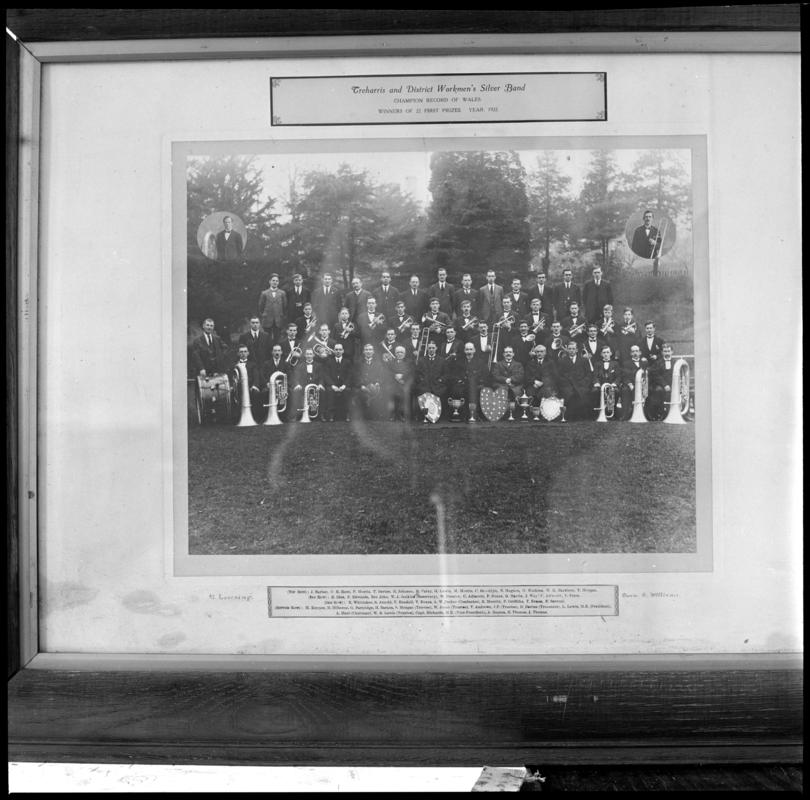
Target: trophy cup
column 536, row 413
column 523, row 402
column 511, row 417
column 473, row 407
column 456, row 403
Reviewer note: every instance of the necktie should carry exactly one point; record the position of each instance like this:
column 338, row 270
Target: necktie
column 491, row 289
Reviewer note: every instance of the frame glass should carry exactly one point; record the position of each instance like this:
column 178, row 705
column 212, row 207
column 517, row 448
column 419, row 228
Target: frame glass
column 481, row 658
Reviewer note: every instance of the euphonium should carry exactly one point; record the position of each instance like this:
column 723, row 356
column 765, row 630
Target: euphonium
column 679, row 396
column 277, row 400
column 246, row 416
column 639, row 396
column 312, row 401
column 322, row 349
column 607, row 402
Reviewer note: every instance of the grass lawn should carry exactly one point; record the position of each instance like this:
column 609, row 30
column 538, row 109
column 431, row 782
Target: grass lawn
column 394, row 488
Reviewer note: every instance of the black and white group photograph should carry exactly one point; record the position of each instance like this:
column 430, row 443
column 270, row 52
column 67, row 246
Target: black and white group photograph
column 442, row 348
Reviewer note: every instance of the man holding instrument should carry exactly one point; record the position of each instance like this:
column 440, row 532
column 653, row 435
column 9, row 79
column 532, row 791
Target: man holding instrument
column 646, row 239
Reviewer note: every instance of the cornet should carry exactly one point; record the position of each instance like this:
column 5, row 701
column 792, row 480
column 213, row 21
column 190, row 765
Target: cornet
column 294, row 356
column 405, row 324
column 541, row 325
column 246, row 417
column 508, row 320
column 433, row 323
column 378, row 320
column 607, row 327
column 469, row 322
column 347, row 331
column 313, row 321
column 277, row 400
column 576, row 330
column 628, row 329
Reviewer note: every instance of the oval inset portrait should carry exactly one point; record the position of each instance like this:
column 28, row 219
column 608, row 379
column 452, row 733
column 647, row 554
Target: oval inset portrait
column 222, row 236
column 650, row 234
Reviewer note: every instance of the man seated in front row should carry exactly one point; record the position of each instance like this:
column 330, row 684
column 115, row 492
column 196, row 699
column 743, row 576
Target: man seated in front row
column 430, row 377
column 540, row 376
column 465, row 377
column 369, row 380
column 509, row 373
column 400, row 385
column 337, row 377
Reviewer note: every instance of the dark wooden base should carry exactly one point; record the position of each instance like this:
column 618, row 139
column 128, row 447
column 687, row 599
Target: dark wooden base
column 408, row 718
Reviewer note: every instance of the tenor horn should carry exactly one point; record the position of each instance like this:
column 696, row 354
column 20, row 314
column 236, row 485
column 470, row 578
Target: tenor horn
column 679, row 395
column 246, row 416
column 312, row 400
column 277, row 400
column 607, row 402
column 294, row 356
column 640, row 390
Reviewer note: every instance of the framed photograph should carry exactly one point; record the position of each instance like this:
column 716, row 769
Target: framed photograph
column 404, row 397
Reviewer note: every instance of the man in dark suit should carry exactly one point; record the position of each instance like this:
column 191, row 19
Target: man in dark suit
column 326, row 300
column 576, row 384
column 290, row 341
column 490, row 299
column 565, row 293
column 538, row 321
column 345, row 332
column 660, row 385
column 523, row 343
column 465, row 378
column 273, row 308
column 253, row 382
column 208, row 352
column 430, row 375
column 575, row 323
column 436, row 321
column 386, row 295
column 608, row 372
column 520, row 299
column 229, row 242
column 443, row 291
column 305, row 373
column 257, row 342
column 399, row 386
column 544, row 293
column 628, row 334
column 296, row 297
column 466, row 292
column 651, row 345
column 337, row 377
column 400, row 321
column 540, row 375
column 415, row 299
column 466, row 324
column 646, row 241
column 596, row 294
column 368, row 382
column 450, row 346
column 629, row 370
column 371, row 325
column 509, row 373
column 355, row 300
column 275, row 363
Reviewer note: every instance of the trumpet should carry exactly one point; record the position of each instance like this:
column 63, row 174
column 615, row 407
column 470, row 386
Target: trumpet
column 277, row 400
column 246, row 417
column 313, row 321
column 468, row 323
column 347, row 331
column 294, row 356
column 433, row 324
column 607, row 402
column 679, row 395
column 576, row 329
column 405, row 324
column 378, row 320
column 607, row 326
column 312, row 401
column 628, row 329
column 322, row 349
column 541, row 325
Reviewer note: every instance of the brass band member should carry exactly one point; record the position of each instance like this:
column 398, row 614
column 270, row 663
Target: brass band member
column 609, row 329
column 208, row 351
column 305, row 373
column 243, row 357
column 651, row 345
column 628, row 335
column 540, row 375
column 660, row 384
column 592, row 346
column 575, row 381
column 465, row 294
column 323, row 344
column 388, row 345
column 524, row 343
column 337, row 376
column 539, row 322
column 275, row 363
column 436, row 321
column 466, row 324
column 509, row 373
column 629, row 369
column 575, row 323
column 556, row 341
column 307, row 324
column 413, row 341
column 345, row 332
column 452, row 347
column 289, row 343
column 466, row 376
column 431, row 374
column 400, row 385
column 371, row 324
column 369, row 378
column 607, row 371
column 400, row 321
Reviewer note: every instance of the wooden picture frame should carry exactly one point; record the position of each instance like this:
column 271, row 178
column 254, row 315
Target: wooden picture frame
column 683, row 709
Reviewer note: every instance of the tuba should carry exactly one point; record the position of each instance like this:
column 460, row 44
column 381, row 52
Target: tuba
column 607, row 402
column 679, row 396
column 312, row 401
column 640, row 390
column 277, row 401
column 246, row 416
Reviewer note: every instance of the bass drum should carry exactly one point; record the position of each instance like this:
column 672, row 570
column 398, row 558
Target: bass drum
column 551, row 408
column 213, row 399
